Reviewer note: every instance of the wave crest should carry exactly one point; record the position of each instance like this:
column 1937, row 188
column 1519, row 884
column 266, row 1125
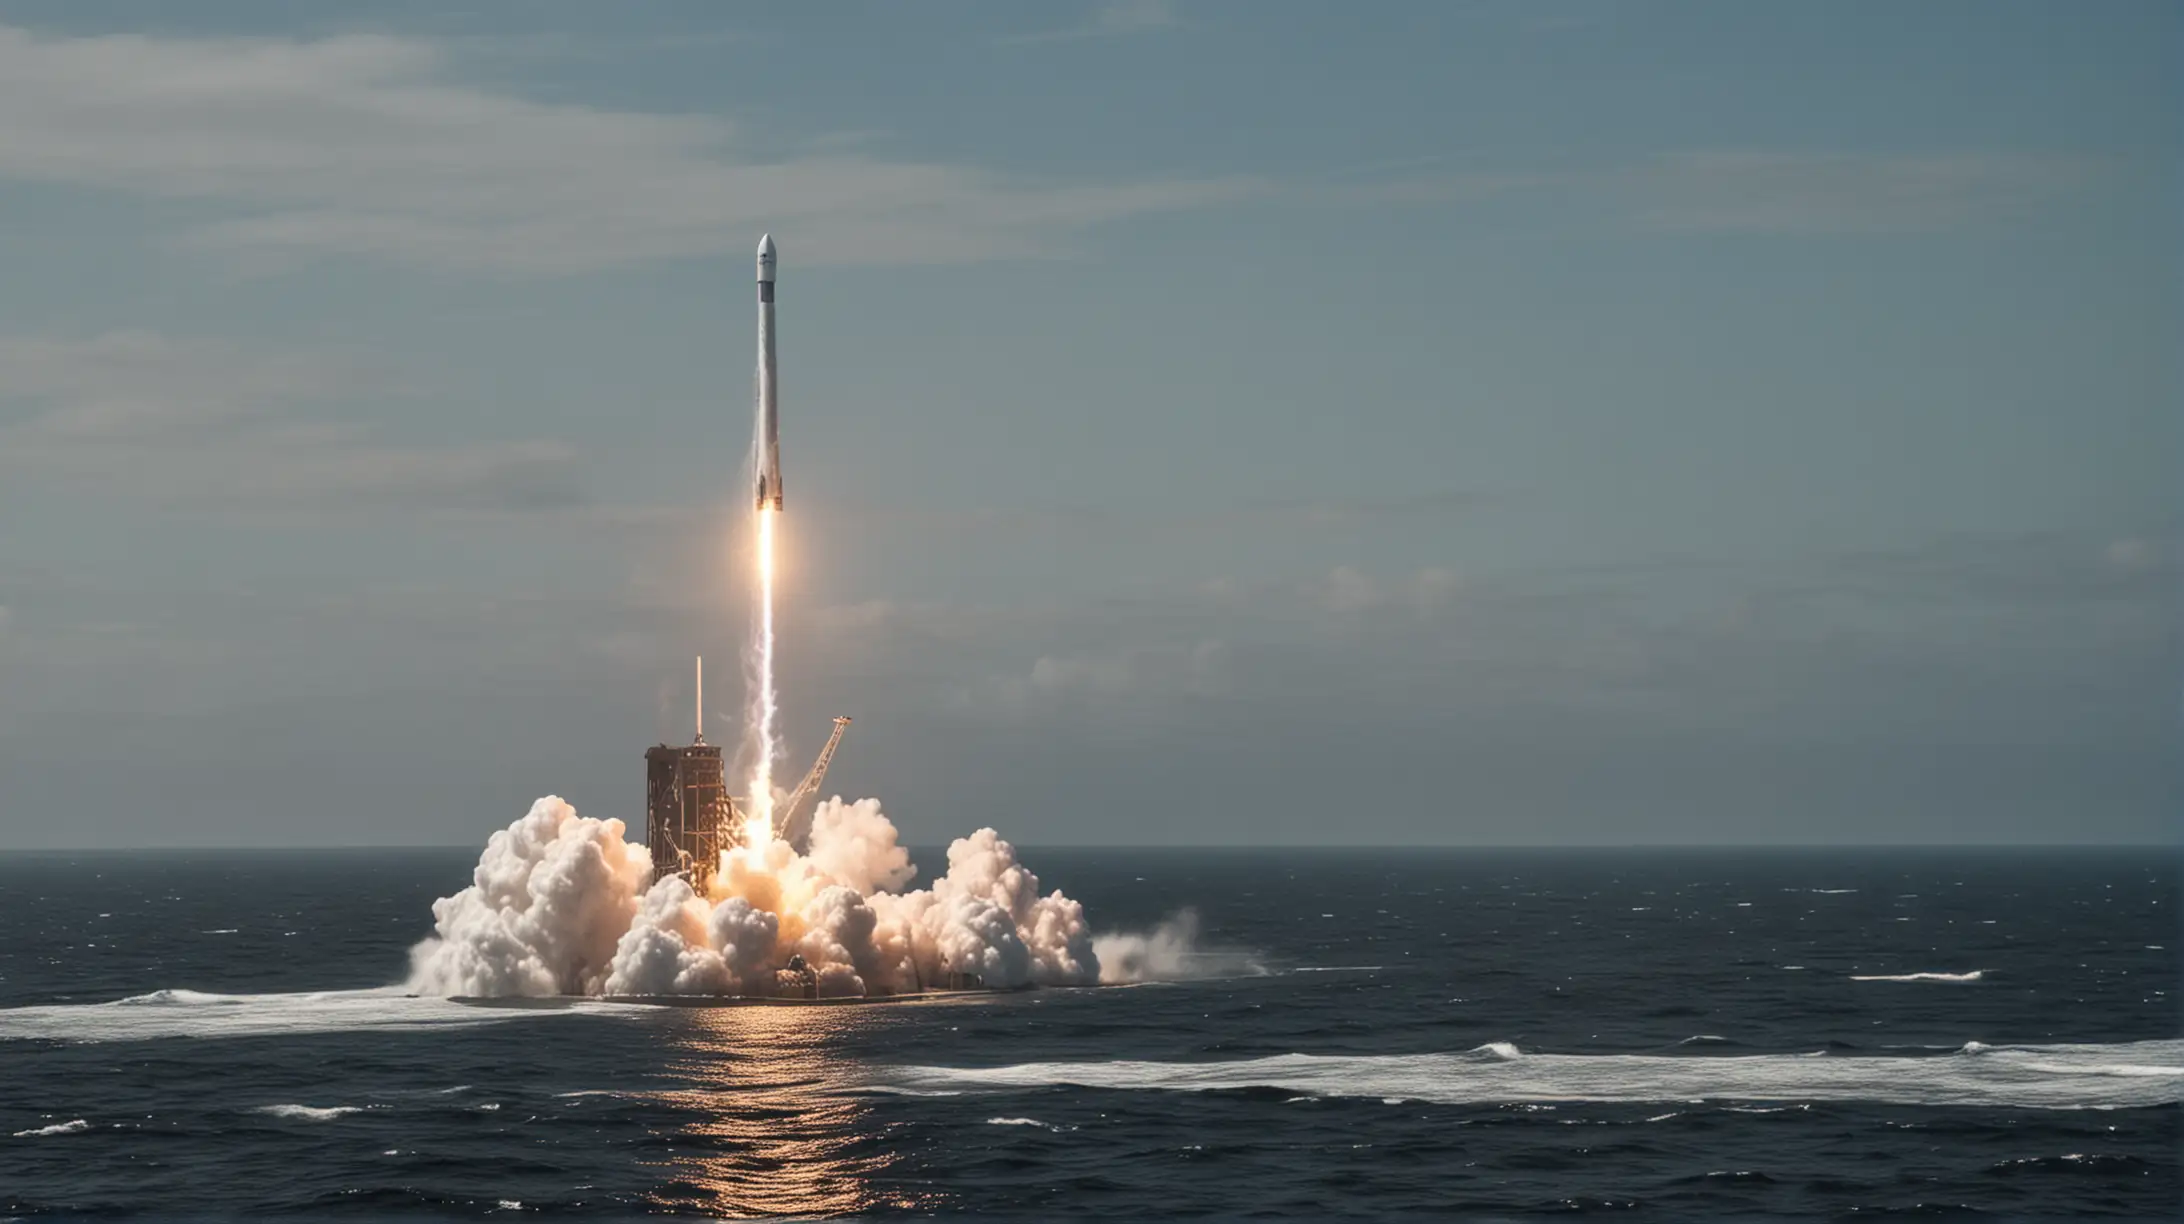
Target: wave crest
column 2111, row 1076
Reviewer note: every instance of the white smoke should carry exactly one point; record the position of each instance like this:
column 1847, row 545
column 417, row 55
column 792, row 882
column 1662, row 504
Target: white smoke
column 552, row 897
column 1170, row 952
column 745, row 937
column 559, row 905
column 1050, row 930
column 666, row 949
column 854, row 844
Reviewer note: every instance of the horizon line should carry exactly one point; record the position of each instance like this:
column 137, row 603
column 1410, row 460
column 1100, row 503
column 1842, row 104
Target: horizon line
column 248, row 848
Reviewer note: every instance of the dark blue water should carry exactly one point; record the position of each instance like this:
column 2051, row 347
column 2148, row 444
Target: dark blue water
column 1664, row 1035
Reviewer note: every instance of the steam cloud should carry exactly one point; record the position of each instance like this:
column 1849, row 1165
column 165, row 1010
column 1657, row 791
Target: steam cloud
column 559, row 904
column 1170, row 952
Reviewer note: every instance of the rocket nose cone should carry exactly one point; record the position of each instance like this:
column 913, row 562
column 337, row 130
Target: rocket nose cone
column 765, row 246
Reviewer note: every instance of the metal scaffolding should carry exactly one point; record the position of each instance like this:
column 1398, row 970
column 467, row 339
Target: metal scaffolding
column 687, row 811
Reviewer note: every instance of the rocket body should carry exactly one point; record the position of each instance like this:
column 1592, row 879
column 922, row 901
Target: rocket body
column 769, row 385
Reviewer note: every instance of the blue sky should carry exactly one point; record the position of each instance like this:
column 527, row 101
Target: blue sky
column 1203, row 423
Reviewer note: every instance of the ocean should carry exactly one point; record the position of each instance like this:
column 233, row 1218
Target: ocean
column 1364, row 1034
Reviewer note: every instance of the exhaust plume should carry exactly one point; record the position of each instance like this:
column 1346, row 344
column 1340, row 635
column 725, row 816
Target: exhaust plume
column 561, row 904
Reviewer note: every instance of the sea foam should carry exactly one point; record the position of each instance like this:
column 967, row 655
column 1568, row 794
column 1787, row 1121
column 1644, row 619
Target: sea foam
column 193, row 1013
column 2111, row 1076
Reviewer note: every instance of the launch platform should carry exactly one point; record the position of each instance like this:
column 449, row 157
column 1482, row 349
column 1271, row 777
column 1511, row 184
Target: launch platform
column 690, row 817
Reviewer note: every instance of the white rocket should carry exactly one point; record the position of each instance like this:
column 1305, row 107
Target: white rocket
column 769, row 387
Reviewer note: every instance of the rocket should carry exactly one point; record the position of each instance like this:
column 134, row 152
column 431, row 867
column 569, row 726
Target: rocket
column 769, row 386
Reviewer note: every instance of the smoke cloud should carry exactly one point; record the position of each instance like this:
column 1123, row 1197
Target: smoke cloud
column 563, row 904
column 547, row 907
column 1170, row 952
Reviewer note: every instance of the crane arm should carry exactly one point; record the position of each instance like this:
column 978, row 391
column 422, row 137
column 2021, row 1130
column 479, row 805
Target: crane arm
column 803, row 802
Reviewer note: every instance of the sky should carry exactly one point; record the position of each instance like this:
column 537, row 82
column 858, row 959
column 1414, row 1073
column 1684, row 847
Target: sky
column 1202, row 423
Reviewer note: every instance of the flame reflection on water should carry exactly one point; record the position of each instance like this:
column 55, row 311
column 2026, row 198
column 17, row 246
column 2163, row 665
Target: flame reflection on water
column 772, row 1131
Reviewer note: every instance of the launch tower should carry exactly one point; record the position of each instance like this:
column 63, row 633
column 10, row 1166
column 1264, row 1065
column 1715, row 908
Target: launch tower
column 687, row 807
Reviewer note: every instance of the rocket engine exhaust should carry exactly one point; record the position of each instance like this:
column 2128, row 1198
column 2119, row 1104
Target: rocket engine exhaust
column 758, row 825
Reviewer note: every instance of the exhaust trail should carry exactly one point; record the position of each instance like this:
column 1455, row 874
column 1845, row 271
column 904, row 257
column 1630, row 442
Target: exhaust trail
column 765, row 736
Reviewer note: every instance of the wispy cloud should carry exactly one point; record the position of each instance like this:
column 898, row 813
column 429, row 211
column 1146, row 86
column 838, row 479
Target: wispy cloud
column 1803, row 193
column 2061, row 635
column 2025, row 569
column 139, row 384
column 370, row 145
column 1117, row 18
column 1756, row 192
column 1071, row 681
column 1256, row 514
column 202, row 421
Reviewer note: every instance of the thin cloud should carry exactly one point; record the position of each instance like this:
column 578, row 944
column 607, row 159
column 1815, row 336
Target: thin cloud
column 1257, row 514
column 1798, row 193
column 1802, row 193
column 207, row 422
column 139, row 384
column 1119, row 18
column 367, row 145
column 2035, row 569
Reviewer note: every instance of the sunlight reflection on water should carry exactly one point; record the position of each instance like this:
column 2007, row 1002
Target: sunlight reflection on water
column 772, row 1132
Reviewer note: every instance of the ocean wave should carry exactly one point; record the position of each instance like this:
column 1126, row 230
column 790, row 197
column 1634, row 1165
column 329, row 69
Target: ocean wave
column 1049, row 1126
column 75, row 1127
column 2110, row 1076
column 310, row 1112
column 2071, row 1161
column 1973, row 976
column 177, row 998
column 195, row 1013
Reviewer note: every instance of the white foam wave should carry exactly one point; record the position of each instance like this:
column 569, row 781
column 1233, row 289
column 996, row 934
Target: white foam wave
column 899, row 1090
column 75, row 1127
column 1972, row 976
column 192, row 1013
column 176, row 998
column 310, row 1112
column 1028, row 1122
column 2115, row 1076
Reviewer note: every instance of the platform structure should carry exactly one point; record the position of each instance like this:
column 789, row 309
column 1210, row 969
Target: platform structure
column 689, row 815
column 687, row 807
column 687, row 810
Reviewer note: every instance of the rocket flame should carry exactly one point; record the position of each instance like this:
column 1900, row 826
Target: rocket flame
column 765, row 742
